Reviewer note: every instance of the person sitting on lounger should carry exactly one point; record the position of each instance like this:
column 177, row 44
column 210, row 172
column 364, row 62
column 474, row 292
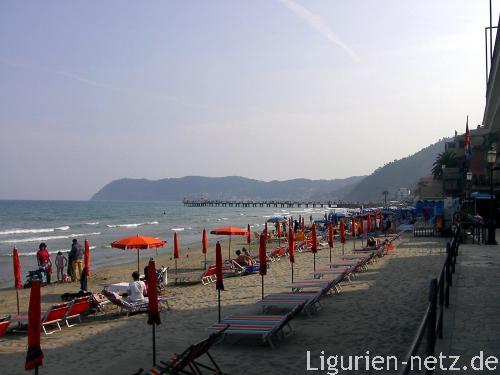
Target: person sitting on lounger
column 243, row 260
column 136, row 289
column 246, row 252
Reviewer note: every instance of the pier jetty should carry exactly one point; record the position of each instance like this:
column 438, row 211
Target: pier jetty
column 268, row 203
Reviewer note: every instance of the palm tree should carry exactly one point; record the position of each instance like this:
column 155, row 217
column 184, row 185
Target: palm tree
column 445, row 158
column 385, row 193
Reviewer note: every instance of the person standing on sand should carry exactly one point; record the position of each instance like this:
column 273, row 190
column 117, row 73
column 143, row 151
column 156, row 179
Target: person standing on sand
column 61, row 262
column 76, row 256
column 44, row 262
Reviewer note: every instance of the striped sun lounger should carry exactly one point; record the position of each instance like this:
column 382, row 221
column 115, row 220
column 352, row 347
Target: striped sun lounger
column 268, row 327
column 311, row 300
column 324, row 285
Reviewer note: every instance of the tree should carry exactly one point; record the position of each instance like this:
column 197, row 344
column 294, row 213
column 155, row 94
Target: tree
column 445, row 158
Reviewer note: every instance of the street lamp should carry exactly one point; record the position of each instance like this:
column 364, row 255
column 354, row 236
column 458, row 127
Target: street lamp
column 491, row 157
column 468, row 176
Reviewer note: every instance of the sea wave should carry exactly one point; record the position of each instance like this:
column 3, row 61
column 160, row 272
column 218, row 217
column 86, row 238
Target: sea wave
column 177, row 229
column 32, row 253
column 40, row 230
column 93, row 223
column 133, row 225
column 47, row 238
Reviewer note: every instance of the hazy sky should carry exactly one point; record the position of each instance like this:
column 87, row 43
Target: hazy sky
column 91, row 91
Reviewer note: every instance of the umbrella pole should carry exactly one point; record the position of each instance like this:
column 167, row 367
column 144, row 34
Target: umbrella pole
column 292, row 273
column 262, row 286
column 229, row 251
column 218, row 292
column 154, row 344
column 342, row 249
column 205, row 261
column 314, row 262
column 354, row 242
column 330, row 254
column 176, row 266
column 36, row 370
column 137, row 260
column 17, row 297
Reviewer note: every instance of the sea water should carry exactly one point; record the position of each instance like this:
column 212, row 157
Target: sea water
column 25, row 224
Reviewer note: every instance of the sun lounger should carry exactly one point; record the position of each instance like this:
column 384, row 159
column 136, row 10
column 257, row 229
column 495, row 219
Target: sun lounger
column 51, row 317
column 77, row 308
column 326, row 286
column 4, row 324
column 188, row 361
column 276, row 326
column 313, row 303
column 134, row 307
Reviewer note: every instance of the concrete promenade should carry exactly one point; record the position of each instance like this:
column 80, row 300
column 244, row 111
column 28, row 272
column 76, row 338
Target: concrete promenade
column 472, row 323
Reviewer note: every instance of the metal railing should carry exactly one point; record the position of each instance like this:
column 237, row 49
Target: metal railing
column 431, row 325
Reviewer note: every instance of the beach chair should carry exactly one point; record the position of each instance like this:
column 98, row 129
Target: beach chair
column 51, row 317
column 188, row 362
column 268, row 327
column 4, row 324
column 77, row 308
column 313, row 300
column 134, row 307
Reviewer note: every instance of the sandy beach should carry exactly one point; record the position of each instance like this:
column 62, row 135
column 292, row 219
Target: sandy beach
column 379, row 312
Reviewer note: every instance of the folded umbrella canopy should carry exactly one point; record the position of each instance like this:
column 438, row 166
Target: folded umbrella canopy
column 314, row 247
column 34, row 357
column 139, row 243
column 219, row 283
column 204, row 246
column 229, row 231
column 18, row 283
column 291, row 247
column 153, row 311
column 176, row 250
column 262, row 260
column 86, row 257
column 330, row 238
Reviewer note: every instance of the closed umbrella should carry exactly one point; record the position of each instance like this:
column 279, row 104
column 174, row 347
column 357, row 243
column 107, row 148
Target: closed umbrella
column 176, row 250
column 139, row 243
column 291, row 247
column 86, row 256
column 262, row 260
column 330, row 238
column 229, row 231
column 314, row 247
column 18, row 283
column 342, row 234
column 353, row 230
column 380, row 218
column 204, row 246
column 361, row 229
column 249, row 237
column 34, row 357
column 278, row 232
column 368, row 223
column 219, row 284
column 153, row 311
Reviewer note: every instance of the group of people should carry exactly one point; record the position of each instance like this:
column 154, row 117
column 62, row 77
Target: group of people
column 73, row 264
column 243, row 258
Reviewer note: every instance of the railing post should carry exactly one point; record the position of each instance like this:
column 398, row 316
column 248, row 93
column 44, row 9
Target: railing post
column 448, row 275
column 442, row 279
column 431, row 323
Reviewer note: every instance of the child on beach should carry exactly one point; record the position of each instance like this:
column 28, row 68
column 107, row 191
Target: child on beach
column 61, row 262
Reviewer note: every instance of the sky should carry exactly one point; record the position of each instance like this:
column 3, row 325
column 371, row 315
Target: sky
column 93, row 91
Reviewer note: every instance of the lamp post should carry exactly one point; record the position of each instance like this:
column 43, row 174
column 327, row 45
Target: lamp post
column 468, row 177
column 491, row 158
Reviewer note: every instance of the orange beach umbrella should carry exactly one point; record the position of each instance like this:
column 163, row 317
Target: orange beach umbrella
column 229, row 231
column 139, row 243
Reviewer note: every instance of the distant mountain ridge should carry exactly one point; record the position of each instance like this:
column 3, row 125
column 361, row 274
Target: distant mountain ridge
column 400, row 173
column 231, row 187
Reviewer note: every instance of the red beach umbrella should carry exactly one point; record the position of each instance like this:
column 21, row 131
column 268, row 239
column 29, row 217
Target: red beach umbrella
column 86, row 256
column 342, row 234
column 291, row 247
column 18, row 283
column 139, row 243
column 249, row 236
column 262, row 260
column 361, row 229
column 153, row 311
column 380, row 218
column 265, row 231
column 34, row 357
column 219, row 284
column 314, row 247
column 176, row 250
column 330, row 238
column 368, row 223
column 204, row 246
column 229, row 231
column 353, row 231
column 278, row 232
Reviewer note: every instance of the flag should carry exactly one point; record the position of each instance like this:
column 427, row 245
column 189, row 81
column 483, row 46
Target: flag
column 468, row 148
